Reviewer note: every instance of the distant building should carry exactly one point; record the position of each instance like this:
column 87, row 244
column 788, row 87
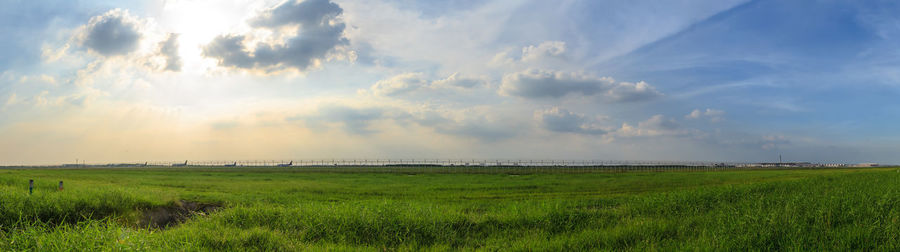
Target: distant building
column 867, row 165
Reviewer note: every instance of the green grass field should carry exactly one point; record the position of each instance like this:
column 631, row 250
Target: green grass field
column 281, row 209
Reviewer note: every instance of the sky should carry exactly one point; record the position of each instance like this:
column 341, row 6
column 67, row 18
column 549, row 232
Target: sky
column 679, row 80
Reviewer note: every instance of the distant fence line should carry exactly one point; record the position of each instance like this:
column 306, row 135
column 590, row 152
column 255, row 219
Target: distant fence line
column 433, row 162
column 509, row 166
column 448, row 162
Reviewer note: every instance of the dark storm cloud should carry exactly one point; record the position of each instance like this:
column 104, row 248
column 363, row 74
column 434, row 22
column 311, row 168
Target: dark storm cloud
column 110, row 34
column 318, row 32
column 169, row 50
column 535, row 84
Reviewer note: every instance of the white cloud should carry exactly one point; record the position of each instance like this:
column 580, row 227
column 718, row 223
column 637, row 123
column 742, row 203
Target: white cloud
column 388, row 26
column 38, row 80
column 628, row 92
column 399, row 84
column 45, row 99
column 408, row 83
column 50, row 54
column 537, row 84
column 714, row 115
column 655, row 126
column 547, row 49
column 714, row 112
column 563, row 121
column 459, row 81
column 694, row 114
column 544, row 54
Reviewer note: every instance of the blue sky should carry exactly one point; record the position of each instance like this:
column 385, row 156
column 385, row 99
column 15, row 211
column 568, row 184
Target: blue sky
column 746, row 81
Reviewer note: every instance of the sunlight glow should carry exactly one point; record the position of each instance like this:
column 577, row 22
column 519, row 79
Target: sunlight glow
column 198, row 22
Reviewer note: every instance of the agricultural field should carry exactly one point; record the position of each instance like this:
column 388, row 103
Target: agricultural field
column 288, row 209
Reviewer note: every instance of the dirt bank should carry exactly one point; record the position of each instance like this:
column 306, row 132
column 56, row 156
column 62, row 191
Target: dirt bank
column 177, row 213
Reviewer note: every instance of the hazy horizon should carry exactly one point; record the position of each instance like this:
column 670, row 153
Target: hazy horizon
column 427, row 161
column 736, row 81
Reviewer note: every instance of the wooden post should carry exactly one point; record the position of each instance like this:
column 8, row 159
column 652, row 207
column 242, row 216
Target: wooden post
column 30, row 186
column 60, row 185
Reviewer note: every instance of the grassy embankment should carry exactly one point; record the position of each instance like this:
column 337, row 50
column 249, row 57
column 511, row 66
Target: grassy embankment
column 278, row 209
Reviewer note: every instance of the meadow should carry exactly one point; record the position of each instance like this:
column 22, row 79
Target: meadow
column 289, row 209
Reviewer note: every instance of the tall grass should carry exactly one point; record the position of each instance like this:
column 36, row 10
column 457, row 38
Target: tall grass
column 280, row 210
